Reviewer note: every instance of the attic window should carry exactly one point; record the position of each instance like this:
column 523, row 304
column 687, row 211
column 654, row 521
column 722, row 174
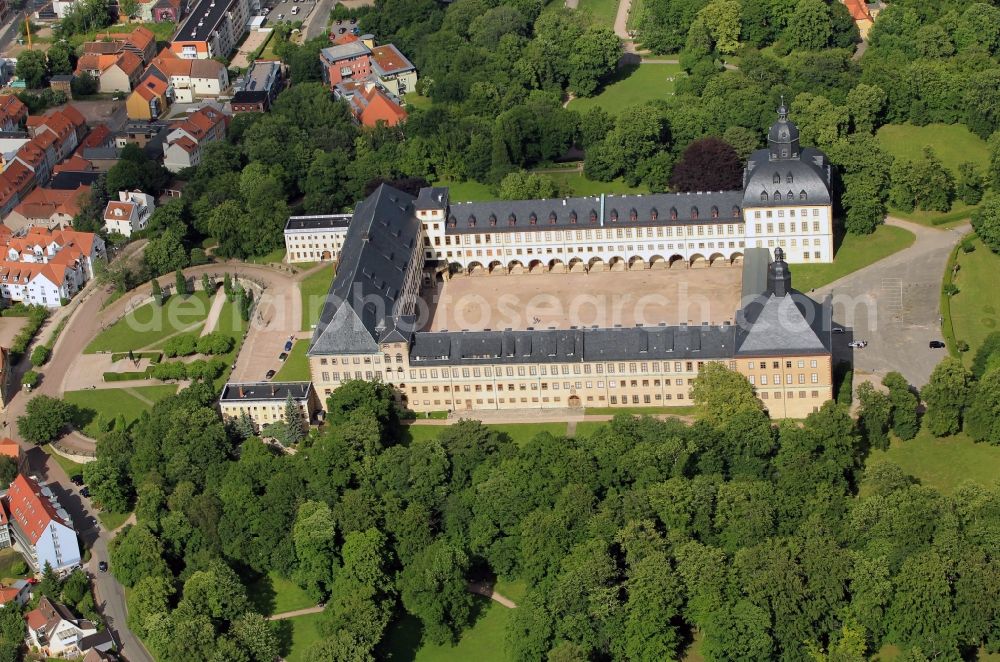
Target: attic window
column 788, row 178
column 493, row 219
column 593, row 216
column 572, row 217
column 673, row 213
column 472, row 221
column 790, row 196
column 452, row 222
column 802, row 195
column 763, row 196
column 552, row 218
column 736, row 211
column 777, row 178
column 614, row 215
column 532, row 219
column 633, row 215
column 512, row 220
column 653, row 214
column 694, row 212
column 777, row 196
column 715, row 212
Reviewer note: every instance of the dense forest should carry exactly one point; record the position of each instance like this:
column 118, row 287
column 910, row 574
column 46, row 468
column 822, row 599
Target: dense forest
column 772, row 541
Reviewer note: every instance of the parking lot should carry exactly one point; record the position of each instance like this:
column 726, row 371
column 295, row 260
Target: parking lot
column 287, row 10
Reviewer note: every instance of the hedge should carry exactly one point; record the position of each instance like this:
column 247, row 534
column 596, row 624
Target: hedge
column 126, row 376
column 36, row 317
column 152, row 356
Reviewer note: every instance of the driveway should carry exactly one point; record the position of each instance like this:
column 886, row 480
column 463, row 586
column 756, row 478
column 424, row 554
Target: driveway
column 894, row 305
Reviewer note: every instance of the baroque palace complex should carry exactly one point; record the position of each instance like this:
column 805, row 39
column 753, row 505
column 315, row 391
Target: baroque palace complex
column 407, row 307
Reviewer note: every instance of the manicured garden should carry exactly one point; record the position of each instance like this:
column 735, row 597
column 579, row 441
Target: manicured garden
column 313, row 290
column 632, row 86
column 273, row 594
column 104, row 405
column 943, row 463
column 296, row 366
column 974, row 309
column 855, row 252
column 150, row 324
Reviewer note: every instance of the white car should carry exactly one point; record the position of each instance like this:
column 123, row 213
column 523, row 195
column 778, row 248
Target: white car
column 281, row 16
column 295, row 10
column 858, row 344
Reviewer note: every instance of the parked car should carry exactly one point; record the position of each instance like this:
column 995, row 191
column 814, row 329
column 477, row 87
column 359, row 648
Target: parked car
column 76, row 479
column 343, row 30
column 281, row 16
column 858, row 344
column 102, row 566
column 85, row 492
column 282, row 356
column 295, row 10
column 838, row 329
column 270, row 374
column 288, row 346
column 936, row 344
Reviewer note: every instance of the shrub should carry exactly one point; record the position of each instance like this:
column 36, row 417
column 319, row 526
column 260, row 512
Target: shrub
column 215, row 343
column 169, row 370
column 40, row 356
column 31, row 379
column 962, row 346
column 183, row 345
column 951, row 289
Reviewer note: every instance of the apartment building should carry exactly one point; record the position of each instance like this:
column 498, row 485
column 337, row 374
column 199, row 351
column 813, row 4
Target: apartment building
column 265, row 402
column 40, row 528
column 213, row 28
column 357, row 61
column 315, row 238
column 183, row 144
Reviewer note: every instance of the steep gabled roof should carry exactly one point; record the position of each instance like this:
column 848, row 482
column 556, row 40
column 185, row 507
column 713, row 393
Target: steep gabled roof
column 31, row 511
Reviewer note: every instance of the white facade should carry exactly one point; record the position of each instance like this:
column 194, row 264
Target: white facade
column 804, row 232
column 315, row 238
column 130, row 213
column 39, row 288
column 58, row 547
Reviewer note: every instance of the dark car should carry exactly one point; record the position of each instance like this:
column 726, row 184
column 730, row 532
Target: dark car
column 288, row 346
column 76, row 479
column 102, row 566
column 270, row 374
column 838, row 329
column 343, row 30
column 353, row 21
column 282, row 356
column 936, row 344
column 85, row 492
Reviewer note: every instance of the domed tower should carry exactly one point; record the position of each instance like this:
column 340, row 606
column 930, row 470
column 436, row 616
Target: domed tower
column 783, row 138
column 779, row 278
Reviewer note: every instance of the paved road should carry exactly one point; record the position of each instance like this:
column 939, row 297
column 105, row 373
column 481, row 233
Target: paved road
column 315, row 24
column 894, row 305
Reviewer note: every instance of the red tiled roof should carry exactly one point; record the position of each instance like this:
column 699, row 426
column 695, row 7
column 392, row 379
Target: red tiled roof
column 8, row 593
column 45, row 202
column 130, row 63
column 10, row 448
column 97, row 137
column 11, row 108
column 858, row 10
column 151, row 88
column 32, row 512
column 380, row 108
column 75, row 163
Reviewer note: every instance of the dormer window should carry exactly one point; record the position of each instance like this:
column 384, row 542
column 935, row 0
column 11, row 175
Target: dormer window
column 572, row 218
column 633, row 215
column 802, row 195
column 777, row 178
column 694, row 212
column 788, row 178
column 763, row 196
column 673, row 213
column 493, row 220
column 777, row 196
column 614, row 215
column 452, row 222
column 472, row 221
column 653, row 214
column 593, row 216
column 552, row 218
column 512, row 220
column 532, row 219
column 790, row 196
column 715, row 212
column 736, row 211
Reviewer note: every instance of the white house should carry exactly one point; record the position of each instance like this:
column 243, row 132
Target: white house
column 40, row 528
column 129, row 213
column 312, row 238
column 54, row 631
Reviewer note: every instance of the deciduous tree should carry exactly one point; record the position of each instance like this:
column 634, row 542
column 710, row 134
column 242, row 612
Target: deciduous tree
column 946, row 395
column 708, row 164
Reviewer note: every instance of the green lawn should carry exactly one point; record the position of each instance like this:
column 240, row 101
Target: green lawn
column 232, row 324
column 953, row 143
column 974, row 309
column 414, row 100
column 854, row 253
column 296, row 366
column 483, row 642
column 277, row 255
column 150, row 324
column 69, row 466
column 633, row 86
column 943, row 463
column 108, row 403
column 313, row 290
column 467, row 191
column 8, row 560
column 299, row 634
column 163, row 32
column 273, row 594
column 959, row 212
column 602, row 12
column 575, row 184
column 112, row 521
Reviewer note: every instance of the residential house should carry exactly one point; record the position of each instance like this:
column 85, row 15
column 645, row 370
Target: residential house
column 54, row 631
column 66, row 246
column 148, row 100
column 265, row 401
column 38, row 159
column 117, row 72
column 67, row 125
column 99, row 136
column 140, row 42
column 13, row 113
column 129, row 213
column 312, row 238
column 182, row 148
column 40, row 528
column 862, row 16
column 258, row 87
column 370, row 103
column 16, row 594
column 188, row 79
column 143, row 133
column 12, row 449
column 21, row 179
column 73, row 173
column 8, row 149
column 213, row 28
column 47, row 208
column 355, row 61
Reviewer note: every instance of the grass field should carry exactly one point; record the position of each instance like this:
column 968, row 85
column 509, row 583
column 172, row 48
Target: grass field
column 632, row 86
column 150, row 324
column 575, row 184
column 313, row 290
column 414, row 100
column 974, row 309
column 296, row 366
column 277, row 255
column 273, row 594
column 483, row 642
column 520, row 433
column 959, row 212
column 112, row 521
column 9, row 559
column 602, row 12
column 298, row 634
column 108, row 403
column 467, row 191
column 944, row 463
column 953, row 143
column 232, row 324
column 853, row 254
column 69, row 466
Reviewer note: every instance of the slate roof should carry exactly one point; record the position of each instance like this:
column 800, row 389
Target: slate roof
column 241, row 392
column 595, row 211
column 318, row 222
column 572, row 345
column 376, row 254
column 72, row 180
column 432, row 197
column 810, row 174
